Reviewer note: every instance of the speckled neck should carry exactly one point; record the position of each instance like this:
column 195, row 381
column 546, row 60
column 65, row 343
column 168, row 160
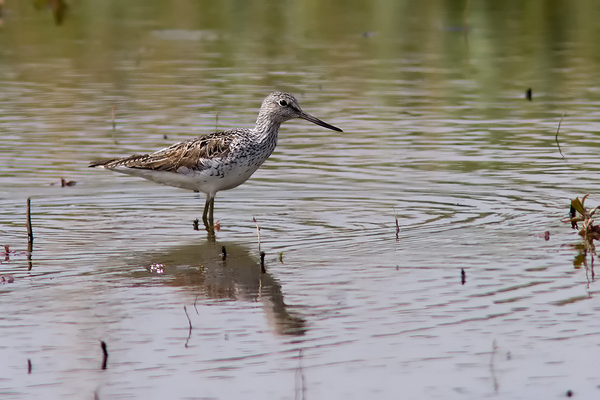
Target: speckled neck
column 266, row 128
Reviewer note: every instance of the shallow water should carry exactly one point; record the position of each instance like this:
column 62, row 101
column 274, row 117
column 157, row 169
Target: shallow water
column 438, row 135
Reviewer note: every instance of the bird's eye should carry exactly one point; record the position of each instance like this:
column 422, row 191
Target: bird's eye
column 283, row 103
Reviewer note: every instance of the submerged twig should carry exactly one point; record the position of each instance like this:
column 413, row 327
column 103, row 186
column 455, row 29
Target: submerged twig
column 29, row 235
column 397, row 225
column 104, row 354
column 492, row 371
column 28, row 223
column 556, row 137
column 257, row 232
column 300, row 392
column 190, row 322
column 262, row 263
column 587, row 275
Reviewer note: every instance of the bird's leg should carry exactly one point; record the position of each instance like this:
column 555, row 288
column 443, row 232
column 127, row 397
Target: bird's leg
column 205, row 213
column 211, row 212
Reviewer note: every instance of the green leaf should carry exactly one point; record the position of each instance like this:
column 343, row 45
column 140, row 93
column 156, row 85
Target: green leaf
column 576, row 204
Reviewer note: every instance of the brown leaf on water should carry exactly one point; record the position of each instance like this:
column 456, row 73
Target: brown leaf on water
column 579, row 260
column 545, row 235
column 65, row 182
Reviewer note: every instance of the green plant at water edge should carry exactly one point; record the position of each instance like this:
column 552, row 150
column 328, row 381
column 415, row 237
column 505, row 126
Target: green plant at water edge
column 589, row 231
column 579, row 213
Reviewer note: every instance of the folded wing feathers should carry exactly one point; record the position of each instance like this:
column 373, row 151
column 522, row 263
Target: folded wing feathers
column 189, row 154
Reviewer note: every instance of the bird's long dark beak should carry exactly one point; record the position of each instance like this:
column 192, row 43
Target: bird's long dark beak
column 317, row 121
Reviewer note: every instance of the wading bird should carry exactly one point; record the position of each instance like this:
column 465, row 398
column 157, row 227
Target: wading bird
column 217, row 161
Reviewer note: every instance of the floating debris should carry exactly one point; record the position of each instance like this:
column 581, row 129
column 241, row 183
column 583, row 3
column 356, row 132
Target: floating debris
column 528, row 94
column 156, row 268
column 545, row 235
column 463, row 276
column 65, row 182
column 196, row 222
column 7, row 279
column 29, row 366
column 7, row 252
column 223, row 253
column 281, row 257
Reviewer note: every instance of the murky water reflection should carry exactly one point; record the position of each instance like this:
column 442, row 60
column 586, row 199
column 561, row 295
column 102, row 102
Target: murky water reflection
column 438, row 135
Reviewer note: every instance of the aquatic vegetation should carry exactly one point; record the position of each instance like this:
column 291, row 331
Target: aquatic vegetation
column 579, row 214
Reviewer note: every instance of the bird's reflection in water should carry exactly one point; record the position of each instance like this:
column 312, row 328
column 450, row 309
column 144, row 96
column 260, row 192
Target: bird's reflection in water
column 58, row 7
column 237, row 275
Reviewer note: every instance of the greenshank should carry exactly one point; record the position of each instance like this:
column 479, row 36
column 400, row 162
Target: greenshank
column 217, row 161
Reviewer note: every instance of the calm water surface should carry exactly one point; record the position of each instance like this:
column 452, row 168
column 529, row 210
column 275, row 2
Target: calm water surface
column 438, row 135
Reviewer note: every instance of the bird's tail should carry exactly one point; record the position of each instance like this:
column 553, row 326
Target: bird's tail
column 102, row 163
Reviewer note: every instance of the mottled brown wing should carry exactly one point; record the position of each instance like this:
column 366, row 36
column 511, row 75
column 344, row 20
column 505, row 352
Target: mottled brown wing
column 189, row 154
